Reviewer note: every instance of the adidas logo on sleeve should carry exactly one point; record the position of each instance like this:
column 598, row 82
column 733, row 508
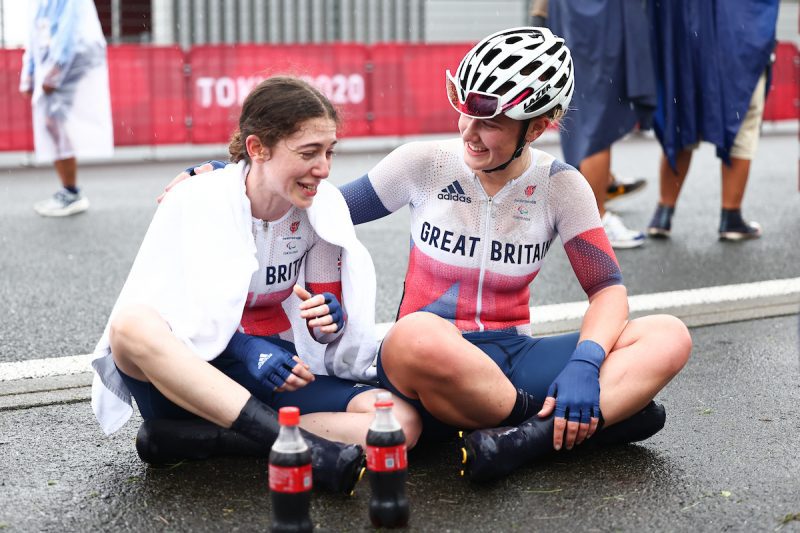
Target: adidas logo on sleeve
column 454, row 192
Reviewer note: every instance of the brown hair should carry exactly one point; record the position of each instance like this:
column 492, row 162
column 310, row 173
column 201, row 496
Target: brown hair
column 274, row 110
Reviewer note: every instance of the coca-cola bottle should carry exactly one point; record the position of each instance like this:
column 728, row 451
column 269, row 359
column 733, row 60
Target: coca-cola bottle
column 387, row 467
column 290, row 475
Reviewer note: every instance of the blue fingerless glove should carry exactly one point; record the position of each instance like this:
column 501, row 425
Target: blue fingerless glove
column 336, row 311
column 268, row 363
column 577, row 387
column 337, row 314
column 214, row 163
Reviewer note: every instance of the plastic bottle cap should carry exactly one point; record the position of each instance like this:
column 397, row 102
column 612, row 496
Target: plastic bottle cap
column 289, row 416
column 383, row 399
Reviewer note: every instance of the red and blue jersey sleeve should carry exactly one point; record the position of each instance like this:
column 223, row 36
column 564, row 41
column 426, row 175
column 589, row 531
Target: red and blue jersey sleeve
column 578, row 223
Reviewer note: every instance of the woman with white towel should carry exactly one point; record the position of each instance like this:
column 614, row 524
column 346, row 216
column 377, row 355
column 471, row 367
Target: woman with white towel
column 213, row 326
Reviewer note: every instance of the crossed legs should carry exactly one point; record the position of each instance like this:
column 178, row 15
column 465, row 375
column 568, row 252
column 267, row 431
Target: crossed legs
column 426, row 358
column 145, row 348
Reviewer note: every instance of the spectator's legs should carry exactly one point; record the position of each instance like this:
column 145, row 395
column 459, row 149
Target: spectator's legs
column 732, row 226
column 734, row 181
column 670, row 182
column 67, row 170
column 597, row 170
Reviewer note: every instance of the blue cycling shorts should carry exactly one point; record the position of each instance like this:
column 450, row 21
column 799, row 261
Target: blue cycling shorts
column 324, row 394
column 530, row 363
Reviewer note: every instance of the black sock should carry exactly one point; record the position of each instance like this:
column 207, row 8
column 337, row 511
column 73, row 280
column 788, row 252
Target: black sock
column 73, row 190
column 257, row 421
column 525, row 407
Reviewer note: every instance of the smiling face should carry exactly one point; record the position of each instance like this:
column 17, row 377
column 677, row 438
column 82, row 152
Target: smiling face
column 488, row 142
column 288, row 173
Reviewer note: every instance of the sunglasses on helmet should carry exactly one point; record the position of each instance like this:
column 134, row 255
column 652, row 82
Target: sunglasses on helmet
column 478, row 104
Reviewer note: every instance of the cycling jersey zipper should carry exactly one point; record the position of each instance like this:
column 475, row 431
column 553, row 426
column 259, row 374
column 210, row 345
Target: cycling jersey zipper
column 487, row 224
column 266, row 227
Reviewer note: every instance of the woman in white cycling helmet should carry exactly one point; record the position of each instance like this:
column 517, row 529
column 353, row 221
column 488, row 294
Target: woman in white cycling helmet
column 485, row 208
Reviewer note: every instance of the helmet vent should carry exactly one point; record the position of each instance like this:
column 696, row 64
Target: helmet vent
column 528, row 69
column 487, row 83
column 553, row 49
column 503, row 89
column 509, row 62
column 465, row 76
column 561, row 82
column 547, row 74
column 491, row 54
column 513, row 39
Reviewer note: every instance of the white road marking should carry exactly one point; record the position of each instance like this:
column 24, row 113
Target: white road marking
column 740, row 302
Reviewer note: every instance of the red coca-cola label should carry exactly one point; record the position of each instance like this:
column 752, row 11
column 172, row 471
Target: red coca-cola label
column 387, row 459
column 290, row 479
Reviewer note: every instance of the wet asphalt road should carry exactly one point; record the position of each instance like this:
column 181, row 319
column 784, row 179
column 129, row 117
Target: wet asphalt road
column 727, row 460
column 60, row 278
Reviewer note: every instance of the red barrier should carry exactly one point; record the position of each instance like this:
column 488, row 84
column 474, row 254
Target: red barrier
column 148, row 97
column 385, row 89
column 222, row 76
column 16, row 131
column 407, row 88
column 783, row 99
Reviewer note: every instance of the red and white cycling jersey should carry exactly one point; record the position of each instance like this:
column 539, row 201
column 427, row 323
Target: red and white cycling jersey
column 473, row 256
column 282, row 248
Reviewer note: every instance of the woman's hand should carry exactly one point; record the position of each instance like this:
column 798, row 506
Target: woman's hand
column 299, row 378
column 208, row 166
column 575, row 396
column 321, row 311
column 269, row 363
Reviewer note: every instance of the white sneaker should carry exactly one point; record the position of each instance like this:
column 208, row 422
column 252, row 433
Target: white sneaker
column 618, row 235
column 63, row 203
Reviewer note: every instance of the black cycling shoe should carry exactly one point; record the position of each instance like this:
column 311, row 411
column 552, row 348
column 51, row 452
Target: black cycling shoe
column 163, row 442
column 661, row 224
column 493, row 453
column 489, row 454
column 638, row 427
column 336, row 467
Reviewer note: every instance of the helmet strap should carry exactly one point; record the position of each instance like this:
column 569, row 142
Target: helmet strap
column 517, row 150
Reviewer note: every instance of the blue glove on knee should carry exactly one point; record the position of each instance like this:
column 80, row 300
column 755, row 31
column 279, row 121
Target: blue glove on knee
column 268, row 363
column 577, row 387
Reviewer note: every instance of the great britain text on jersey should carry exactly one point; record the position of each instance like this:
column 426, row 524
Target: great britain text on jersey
column 465, row 245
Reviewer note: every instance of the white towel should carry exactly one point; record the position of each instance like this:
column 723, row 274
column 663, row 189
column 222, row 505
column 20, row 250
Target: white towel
column 351, row 355
column 194, row 267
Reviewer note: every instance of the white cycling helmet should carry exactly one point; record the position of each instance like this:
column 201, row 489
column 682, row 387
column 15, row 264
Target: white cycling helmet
column 521, row 72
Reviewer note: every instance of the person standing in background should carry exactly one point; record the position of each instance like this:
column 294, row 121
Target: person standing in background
column 614, row 91
column 712, row 63
column 64, row 72
column 538, row 13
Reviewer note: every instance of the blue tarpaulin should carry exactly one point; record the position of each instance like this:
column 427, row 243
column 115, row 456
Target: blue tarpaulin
column 614, row 84
column 709, row 55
